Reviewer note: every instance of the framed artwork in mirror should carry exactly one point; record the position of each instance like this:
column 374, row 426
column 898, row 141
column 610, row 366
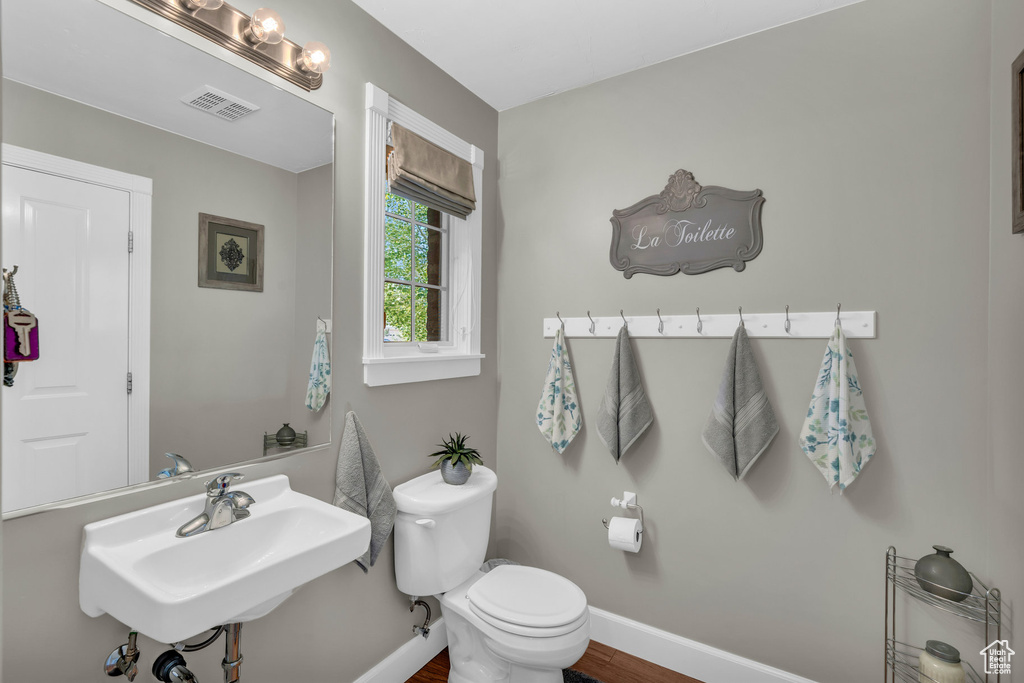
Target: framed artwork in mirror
column 230, row 253
column 1018, row 143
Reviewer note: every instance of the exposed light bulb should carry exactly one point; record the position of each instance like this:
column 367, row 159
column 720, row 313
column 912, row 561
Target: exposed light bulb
column 315, row 58
column 265, row 26
column 202, row 4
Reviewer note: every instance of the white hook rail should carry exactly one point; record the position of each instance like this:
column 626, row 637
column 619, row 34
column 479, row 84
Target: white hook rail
column 816, row 325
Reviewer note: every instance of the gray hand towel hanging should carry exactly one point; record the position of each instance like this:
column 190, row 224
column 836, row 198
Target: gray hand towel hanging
column 361, row 488
column 742, row 422
column 625, row 412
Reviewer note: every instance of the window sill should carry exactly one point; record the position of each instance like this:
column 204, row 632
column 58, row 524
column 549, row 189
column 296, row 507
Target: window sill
column 419, row 368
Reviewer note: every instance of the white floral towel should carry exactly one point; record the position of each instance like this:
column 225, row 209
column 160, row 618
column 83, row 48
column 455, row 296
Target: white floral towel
column 837, row 433
column 558, row 415
column 319, row 370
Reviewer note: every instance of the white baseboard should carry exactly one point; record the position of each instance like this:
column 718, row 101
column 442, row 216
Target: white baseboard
column 682, row 655
column 401, row 664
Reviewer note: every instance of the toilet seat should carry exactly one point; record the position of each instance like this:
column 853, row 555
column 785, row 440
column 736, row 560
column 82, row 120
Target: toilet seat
column 528, row 601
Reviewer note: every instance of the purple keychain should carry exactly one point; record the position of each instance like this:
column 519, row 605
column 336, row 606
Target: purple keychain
column 21, row 328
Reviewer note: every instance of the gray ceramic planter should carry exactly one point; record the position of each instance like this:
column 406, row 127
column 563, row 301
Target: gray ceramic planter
column 457, row 475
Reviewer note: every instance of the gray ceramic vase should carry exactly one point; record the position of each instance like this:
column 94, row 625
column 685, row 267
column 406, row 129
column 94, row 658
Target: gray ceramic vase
column 285, row 435
column 941, row 575
column 457, row 475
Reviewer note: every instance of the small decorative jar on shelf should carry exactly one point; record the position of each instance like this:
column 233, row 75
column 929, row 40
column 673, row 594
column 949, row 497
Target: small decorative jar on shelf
column 940, row 663
column 941, row 575
column 285, row 435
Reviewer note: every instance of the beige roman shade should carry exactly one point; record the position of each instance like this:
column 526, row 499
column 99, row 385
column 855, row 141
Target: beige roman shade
column 423, row 172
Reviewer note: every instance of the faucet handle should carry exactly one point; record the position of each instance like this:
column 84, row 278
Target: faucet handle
column 218, row 485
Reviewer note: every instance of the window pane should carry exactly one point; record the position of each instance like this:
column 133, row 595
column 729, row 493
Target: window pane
column 429, row 324
column 428, row 255
column 397, row 205
column 421, row 213
column 397, row 312
column 397, row 249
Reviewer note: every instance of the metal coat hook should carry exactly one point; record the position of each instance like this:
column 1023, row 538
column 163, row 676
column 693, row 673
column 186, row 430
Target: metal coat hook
column 561, row 321
column 787, row 318
column 700, row 323
column 593, row 325
column 838, row 308
column 624, row 323
column 742, row 324
column 661, row 323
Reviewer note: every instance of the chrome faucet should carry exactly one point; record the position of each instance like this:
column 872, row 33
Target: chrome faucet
column 222, row 507
column 181, row 466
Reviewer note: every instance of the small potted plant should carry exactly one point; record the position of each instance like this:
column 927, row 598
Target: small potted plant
column 455, row 459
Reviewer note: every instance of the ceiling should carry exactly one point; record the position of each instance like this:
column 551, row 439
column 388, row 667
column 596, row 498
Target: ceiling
column 510, row 53
column 103, row 58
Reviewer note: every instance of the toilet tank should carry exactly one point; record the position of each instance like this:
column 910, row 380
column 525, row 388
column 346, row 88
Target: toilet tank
column 441, row 530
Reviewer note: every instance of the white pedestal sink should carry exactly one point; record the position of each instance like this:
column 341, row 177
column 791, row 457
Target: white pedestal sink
column 137, row 570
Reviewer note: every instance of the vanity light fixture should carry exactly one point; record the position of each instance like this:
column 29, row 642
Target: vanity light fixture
column 265, row 26
column 259, row 38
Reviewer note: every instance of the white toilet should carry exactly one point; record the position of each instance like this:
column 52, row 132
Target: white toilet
column 514, row 624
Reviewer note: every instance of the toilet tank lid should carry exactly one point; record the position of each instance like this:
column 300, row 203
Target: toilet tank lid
column 428, row 494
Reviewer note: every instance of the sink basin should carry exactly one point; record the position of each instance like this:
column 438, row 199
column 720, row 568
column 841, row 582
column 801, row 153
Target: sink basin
column 136, row 570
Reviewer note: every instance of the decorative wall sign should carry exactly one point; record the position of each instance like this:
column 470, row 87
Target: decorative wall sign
column 230, row 253
column 687, row 228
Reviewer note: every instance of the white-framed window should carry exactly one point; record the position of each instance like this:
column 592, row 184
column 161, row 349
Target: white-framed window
column 440, row 338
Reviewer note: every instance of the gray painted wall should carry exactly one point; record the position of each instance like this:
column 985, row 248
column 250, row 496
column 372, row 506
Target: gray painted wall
column 868, row 132
column 342, row 624
column 220, row 369
column 1006, row 325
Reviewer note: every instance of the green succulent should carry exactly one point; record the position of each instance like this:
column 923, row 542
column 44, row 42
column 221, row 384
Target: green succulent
column 454, row 449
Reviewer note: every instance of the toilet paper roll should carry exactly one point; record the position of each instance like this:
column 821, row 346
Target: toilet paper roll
column 624, row 533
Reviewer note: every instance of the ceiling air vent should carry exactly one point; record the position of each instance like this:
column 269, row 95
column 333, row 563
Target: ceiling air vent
column 219, row 103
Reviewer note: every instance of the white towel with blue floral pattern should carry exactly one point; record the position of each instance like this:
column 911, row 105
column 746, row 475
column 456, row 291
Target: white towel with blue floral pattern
column 558, row 414
column 319, row 370
column 837, row 433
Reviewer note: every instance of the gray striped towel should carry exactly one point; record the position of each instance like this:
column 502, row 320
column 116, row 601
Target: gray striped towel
column 625, row 412
column 742, row 422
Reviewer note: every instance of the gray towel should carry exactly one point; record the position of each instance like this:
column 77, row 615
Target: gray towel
column 742, row 422
column 361, row 488
column 625, row 413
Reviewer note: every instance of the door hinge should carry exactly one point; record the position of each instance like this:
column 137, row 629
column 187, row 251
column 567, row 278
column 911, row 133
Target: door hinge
column 131, row 241
column 129, row 382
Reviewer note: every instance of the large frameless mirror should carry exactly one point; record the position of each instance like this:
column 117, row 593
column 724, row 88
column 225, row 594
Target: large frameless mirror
column 225, row 182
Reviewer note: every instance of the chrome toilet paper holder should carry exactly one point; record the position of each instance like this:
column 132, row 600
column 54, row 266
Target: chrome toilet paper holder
column 627, row 502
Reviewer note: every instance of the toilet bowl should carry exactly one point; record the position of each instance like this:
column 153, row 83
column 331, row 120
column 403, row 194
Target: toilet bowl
column 484, row 647
column 513, row 624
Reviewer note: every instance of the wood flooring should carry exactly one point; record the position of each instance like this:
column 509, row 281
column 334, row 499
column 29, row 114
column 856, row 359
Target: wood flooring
column 600, row 661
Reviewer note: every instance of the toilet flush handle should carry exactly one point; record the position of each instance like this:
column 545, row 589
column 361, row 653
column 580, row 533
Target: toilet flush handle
column 428, row 523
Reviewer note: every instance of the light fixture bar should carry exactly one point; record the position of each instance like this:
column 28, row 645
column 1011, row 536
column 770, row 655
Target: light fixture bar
column 226, row 26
